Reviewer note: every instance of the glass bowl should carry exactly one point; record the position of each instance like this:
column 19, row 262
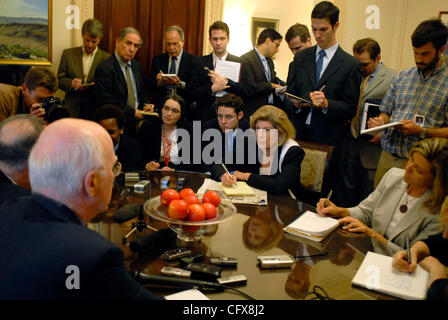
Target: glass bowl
column 190, row 230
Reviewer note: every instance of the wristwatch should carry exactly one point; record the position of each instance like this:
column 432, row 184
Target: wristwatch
column 422, row 134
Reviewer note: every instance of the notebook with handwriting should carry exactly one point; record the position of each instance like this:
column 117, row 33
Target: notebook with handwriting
column 239, row 189
column 376, row 273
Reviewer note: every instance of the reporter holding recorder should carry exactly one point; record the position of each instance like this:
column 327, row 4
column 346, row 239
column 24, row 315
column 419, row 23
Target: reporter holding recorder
column 405, row 203
column 432, row 254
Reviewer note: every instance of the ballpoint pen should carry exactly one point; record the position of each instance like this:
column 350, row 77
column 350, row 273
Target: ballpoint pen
column 408, row 249
column 323, row 87
column 225, row 168
column 328, row 197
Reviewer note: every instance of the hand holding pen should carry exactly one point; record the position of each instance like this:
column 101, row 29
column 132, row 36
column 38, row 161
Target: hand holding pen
column 319, row 99
column 227, row 179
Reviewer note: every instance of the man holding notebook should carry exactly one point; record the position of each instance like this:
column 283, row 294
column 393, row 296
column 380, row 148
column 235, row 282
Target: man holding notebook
column 417, row 97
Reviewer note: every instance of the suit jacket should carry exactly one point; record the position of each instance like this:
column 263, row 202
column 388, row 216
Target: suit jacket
column 71, row 67
column 129, row 154
column 111, row 86
column 9, row 190
column 378, row 209
column 216, row 170
column 200, row 92
column 150, row 138
column 160, row 63
column 369, row 152
column 42, row 238
column 342, row 80
column 263, row 87
column 287, row 176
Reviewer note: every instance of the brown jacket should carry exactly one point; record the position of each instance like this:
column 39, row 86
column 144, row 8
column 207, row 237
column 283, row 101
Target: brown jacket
column 10, row 101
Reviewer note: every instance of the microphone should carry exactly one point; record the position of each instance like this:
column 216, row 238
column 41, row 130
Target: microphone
column 145, row 278
column 127, row 212
column 153, row 241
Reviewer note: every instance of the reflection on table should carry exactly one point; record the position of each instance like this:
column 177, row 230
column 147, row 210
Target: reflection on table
column 253, row 231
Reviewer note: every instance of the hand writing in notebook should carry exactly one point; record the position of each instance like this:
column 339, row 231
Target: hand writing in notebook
column 228, row 180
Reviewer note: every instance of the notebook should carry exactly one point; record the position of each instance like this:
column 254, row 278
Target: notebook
column 312, row 226
column 239, row 189
column 371, row 110
column 376, row 273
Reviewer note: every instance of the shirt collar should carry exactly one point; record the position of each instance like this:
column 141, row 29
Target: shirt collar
column 215, row 57
column 262, row 57
column 179, row 57
column 121, row 62
column 89, row 55
column 434, row 71
column 376, row 70
column 329, row 52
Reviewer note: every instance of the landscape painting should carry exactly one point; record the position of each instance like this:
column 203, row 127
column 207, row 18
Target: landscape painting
column 25, row 32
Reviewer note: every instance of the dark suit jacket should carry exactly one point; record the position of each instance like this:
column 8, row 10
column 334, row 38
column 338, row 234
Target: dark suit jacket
column 342, row 79
column 70, row 67
column 9, row 190
column 129, row 154
column 200, row 92
column 216, row 170
column 41, row 239
column 160, row 63
column 289, row 178
column 111, row 86
column 150, row 138
column 263, row 88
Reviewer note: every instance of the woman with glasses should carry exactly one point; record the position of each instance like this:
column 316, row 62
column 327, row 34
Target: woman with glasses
column 279, row 155
column 162, row 138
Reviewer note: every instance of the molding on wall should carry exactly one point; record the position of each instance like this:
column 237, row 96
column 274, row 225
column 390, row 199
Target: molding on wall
column 399, row 33
column 214, row 10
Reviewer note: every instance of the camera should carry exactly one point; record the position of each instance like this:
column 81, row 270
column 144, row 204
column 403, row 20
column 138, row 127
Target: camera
column 54, row 109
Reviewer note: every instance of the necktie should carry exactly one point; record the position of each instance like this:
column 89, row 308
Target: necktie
column 131, row 94
column 319, row 64
column 173, row 65
column 357, row 119
column 267, row 70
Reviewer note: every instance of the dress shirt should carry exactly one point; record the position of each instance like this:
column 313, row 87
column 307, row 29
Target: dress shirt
column 411, row 94
column 87, row 61
column 267, row 71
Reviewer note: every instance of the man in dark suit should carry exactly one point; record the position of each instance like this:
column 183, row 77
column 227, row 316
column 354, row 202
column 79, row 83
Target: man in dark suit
column 174, row 61
column 234, row 140
column 17, row 136
column 48, row 251
column 119, row 79
column 77, row 69
column 261, row 67
column 111, row 118
column 206, row 85
column 330, row 79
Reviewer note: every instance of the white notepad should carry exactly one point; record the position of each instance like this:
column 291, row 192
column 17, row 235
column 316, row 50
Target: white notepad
column 374, row 131
column 376, row 273
column 312, row 226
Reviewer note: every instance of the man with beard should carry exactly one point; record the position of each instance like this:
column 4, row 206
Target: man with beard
column 418, row 98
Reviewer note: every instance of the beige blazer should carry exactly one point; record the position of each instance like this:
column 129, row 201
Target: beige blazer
column 377, row 210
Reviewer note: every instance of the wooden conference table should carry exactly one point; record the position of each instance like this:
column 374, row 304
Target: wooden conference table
column 253, row 231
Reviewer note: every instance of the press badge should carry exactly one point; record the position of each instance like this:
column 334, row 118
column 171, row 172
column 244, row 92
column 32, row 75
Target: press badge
column 419, row 120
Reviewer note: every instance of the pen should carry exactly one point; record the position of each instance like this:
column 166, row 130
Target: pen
column 328, row 197
column 408, row 249
column 323, row 87
column 225, row 168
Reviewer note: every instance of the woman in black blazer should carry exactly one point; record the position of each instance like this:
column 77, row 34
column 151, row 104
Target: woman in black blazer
column 161, row 138
column 279, row 155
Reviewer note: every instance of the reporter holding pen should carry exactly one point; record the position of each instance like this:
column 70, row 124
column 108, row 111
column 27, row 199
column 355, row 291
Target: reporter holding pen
column 278, row 170
column 432, row 255
column 405, row 203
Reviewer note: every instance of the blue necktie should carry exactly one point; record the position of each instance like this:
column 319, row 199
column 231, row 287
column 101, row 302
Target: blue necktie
column 319, row 63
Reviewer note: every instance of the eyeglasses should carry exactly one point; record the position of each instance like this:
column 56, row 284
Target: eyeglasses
column 168, row 109
column 174, row 44
column 227, row 116
column 116, row 169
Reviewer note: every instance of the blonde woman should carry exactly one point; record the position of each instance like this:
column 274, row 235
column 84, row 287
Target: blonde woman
column 406, row 203
column 432, row 254
column 281, row 156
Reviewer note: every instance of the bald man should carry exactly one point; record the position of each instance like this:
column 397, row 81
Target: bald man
column 18, row 134
column 47, row 251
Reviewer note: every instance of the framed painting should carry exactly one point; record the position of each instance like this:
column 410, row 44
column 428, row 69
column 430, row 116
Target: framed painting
column 443, row 16
column 259, row 24
column 25, row 32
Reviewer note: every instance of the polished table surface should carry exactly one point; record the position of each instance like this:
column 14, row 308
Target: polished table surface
column 253, row 231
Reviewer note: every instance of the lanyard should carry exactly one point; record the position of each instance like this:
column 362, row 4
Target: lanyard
column 166, row 149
